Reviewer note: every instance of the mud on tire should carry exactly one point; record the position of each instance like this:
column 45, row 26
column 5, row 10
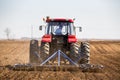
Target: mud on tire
column 34, row 52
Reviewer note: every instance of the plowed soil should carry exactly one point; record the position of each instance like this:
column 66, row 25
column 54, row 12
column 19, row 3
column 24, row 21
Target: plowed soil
column 106, row 53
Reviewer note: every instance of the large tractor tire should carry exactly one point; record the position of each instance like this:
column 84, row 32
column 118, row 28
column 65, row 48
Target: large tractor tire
column 34, row 56
column 74, row 51
column 45, row 50
column 84, row 53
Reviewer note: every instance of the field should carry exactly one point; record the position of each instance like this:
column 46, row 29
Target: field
column 106, row 53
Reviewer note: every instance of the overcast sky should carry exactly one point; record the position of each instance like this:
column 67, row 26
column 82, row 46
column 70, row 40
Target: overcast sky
column 100, row 19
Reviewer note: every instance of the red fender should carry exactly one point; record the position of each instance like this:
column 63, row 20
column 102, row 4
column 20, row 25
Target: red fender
column 72, row 39
column 47, row 38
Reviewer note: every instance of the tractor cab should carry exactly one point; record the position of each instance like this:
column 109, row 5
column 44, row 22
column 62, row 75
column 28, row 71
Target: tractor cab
column 59, row 29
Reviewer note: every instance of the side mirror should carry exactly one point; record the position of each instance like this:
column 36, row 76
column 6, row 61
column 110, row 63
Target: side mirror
column 40, row 28
column 80, row 29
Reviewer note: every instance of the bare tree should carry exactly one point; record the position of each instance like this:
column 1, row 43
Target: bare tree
column 7, row 32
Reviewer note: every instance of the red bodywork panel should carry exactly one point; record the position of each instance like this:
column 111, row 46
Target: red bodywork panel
column 60, row 20
column 72, row 39
column 47, row 38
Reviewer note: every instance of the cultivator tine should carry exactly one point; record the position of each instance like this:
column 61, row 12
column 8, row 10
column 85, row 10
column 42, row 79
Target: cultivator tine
column 91, row 68
column 82, row 67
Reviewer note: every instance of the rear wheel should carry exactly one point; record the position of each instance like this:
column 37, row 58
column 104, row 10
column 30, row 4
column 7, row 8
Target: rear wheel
column 80, row 53
column 34, row 52
column 45, row 49
column 84, row 53
column 74, row 51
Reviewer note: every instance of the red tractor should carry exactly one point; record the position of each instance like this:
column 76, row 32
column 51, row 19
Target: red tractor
column 59, row 35
column 59, row 49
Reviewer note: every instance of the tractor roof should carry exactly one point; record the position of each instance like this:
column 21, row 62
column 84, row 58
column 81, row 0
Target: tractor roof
column 60, row 20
